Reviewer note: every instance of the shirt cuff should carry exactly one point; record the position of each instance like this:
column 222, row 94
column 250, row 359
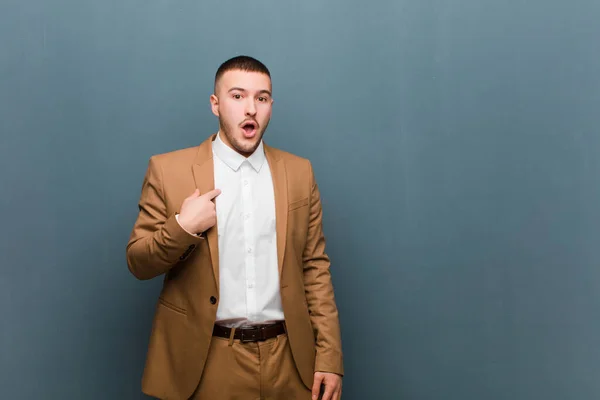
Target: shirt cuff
column 193, row 234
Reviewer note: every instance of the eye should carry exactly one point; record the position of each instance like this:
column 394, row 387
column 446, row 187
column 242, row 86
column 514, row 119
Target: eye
column 262, row 99
column 237, row 96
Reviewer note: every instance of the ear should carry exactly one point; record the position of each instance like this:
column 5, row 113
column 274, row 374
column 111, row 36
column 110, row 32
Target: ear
column 214, row 104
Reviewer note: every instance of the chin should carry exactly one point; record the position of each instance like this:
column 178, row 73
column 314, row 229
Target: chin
column 247, row 146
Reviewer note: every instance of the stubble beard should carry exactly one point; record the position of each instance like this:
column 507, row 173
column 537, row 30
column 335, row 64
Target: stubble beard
column 245, row 150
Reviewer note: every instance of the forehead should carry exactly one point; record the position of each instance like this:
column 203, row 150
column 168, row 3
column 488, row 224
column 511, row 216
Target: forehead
column 250, row 81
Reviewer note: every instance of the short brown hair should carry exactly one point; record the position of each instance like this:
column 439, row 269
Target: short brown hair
column 242, row 63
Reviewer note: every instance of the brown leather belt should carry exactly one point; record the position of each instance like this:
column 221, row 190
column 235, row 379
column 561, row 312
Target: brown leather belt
column 253, row 334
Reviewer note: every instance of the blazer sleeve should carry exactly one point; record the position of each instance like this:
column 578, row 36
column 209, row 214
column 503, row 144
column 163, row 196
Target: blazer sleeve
column 319, row 290
column 157, row 241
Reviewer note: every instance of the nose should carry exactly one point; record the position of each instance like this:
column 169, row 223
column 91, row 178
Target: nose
column 250, row 107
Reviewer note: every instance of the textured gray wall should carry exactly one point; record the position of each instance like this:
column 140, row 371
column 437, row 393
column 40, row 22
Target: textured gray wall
column 457, row 146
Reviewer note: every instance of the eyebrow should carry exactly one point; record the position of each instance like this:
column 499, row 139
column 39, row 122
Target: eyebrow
column 244, row 90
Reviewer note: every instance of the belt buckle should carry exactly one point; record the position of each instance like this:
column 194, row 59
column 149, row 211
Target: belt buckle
column 243, row 337
column 249, row 335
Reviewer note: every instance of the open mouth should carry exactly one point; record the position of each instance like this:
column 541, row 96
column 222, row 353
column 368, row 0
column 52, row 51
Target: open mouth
column 249, row 129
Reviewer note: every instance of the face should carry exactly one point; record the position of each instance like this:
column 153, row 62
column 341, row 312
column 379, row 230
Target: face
column 243, row 103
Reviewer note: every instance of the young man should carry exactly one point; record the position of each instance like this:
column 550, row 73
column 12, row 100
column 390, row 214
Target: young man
column 247, row 308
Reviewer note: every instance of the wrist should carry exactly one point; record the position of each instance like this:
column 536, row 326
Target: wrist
column 184, row 225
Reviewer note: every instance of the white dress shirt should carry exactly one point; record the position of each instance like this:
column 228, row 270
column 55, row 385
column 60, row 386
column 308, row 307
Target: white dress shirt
column 248, row 271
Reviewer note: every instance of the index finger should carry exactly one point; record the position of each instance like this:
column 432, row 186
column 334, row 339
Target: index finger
column 212, row 194
column 318, row 386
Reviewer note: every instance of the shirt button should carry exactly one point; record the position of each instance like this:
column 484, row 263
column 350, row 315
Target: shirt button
column 250, row 286
column 249, row 249
column 245, row 183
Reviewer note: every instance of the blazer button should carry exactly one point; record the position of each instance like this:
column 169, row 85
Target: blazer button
column 213, row 300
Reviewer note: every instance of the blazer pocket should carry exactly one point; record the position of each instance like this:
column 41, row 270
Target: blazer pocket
column 172, row 306
column 297, row 204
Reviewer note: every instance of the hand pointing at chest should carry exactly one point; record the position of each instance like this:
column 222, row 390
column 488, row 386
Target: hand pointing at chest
column 198, row 212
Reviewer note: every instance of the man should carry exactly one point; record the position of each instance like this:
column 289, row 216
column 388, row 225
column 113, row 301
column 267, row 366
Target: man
column 247, row 308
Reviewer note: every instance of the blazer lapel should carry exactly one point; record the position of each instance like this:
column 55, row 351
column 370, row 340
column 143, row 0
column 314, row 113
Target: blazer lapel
column 278, row 174
column 203, row 170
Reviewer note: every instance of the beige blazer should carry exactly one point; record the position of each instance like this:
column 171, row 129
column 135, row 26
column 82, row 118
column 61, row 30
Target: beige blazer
column 186, row 308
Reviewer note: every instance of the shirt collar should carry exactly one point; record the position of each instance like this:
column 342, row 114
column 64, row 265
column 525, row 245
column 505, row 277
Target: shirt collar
column 233, row 159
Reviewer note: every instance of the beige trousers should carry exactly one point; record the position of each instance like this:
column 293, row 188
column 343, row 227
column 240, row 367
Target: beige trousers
column 251, row 371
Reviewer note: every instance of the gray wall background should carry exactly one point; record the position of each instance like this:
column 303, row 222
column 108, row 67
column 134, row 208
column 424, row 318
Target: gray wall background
column 456, row 144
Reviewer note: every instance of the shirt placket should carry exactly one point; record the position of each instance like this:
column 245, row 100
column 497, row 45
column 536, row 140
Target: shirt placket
column 250, row 258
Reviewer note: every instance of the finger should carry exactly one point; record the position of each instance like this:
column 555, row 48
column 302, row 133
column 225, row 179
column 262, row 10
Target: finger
column 195, row 194
column 328, row 392
column 316, row 389
column 212, row 194
column 334, row 394
column 337, row 395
